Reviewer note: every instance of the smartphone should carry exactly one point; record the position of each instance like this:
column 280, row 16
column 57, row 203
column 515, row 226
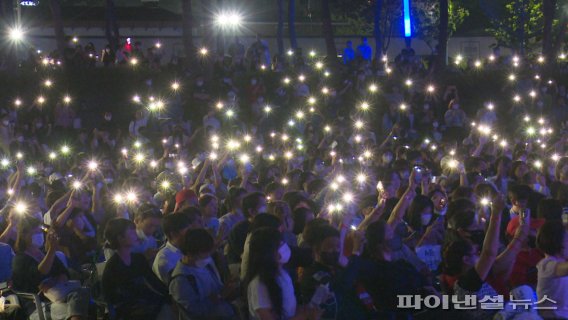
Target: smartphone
column 380, row 186
column 418, row 174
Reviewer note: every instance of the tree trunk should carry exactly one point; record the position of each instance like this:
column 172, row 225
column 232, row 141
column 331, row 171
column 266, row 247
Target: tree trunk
column 207, row 34
column 292, row 24
column 443, row 35
column 548, row 8
column 280, row 30
column 55, row 7
column 521, row 30
column 220, row 34
column 112, row 29
column 559, row 37
column 377, row 28
column 7, row 15
column 327, row 30
column 187, row 32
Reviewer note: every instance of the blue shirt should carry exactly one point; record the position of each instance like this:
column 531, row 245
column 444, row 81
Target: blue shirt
column 6, row 257
column 365, row 51
column 348, row 55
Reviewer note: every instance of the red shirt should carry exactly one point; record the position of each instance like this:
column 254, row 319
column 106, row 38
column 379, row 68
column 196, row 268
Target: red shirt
column 524, row 269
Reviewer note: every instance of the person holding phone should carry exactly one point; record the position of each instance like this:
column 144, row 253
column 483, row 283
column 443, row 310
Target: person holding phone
column 37, row 266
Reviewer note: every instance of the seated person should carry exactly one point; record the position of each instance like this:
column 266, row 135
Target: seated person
column 128, row 281
column 34, row 268
column 195, row 285
column 147, row 221
column 175, row 226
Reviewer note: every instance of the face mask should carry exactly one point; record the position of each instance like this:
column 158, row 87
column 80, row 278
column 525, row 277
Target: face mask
column 109, row 180
column 108, row 118
column 20, row 139
column 6, row 122
column 477, row 237
column 202, row 263
column 262, row 210
column 456, row 106
column 285, row 253
column 387, row 158
column 425, row 219
column 39, row 125
column 253, row 82
column 426, row 106
column 330, row 258
column 37, row 240
column 199, row 83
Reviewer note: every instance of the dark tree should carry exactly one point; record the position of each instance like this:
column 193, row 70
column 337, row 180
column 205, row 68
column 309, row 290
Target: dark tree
column 111, row 27
column 443, row 34
column 187, row 32
column 292, row 24
column 327, row 30
column 55, row 7
column 378, row 8
column 280, row 30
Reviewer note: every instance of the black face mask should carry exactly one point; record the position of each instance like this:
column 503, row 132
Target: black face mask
column 330, row 258
column 477, row 237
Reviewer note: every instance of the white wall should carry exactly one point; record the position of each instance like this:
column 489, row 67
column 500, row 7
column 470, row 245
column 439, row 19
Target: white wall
column 170, row 38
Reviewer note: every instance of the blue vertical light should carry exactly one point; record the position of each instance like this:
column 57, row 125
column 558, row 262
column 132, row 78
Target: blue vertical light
column 407, row 22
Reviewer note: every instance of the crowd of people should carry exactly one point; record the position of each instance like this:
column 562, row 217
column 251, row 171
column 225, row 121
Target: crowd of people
column 292, row 188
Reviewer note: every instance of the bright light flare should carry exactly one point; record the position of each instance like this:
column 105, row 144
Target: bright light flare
column 16, row 34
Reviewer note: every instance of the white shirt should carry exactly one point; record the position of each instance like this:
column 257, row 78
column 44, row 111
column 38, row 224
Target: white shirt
column 258, row 298
column 555, row 288
column 165, row 262
column 229, row 220
column 245, row 257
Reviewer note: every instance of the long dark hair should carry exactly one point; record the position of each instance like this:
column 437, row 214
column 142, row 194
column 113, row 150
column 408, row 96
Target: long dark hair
column 264, row 244
column 25, row 226
column 413, row 215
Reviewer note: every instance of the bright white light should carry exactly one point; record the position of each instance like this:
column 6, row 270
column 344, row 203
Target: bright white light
column 92, row 165
column 229, row 19
column 77, row 184
column 16, row 34
column 20, row 207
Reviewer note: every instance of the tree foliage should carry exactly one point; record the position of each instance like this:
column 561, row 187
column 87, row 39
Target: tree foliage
column 515, row 24
column 425, row 15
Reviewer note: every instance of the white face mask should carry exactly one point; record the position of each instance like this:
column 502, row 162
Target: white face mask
column 425, row 219
column 202, row 263
column 262, row 210
column 285, row 253
column 37, row 240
